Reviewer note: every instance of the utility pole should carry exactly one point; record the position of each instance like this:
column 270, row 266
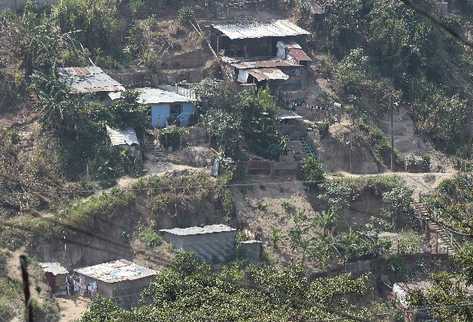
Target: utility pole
column 26, row 288
column 392, row 131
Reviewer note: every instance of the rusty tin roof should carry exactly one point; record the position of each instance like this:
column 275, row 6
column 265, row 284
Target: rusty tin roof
column 89, row 80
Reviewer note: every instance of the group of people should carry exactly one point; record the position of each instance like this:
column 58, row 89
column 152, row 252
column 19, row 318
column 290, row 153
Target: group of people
column 74, row 285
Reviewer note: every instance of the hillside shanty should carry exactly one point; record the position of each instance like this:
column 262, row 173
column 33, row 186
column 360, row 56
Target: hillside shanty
column 167, row 107
column 212, row 243
column 119, row 280
column 55, row 277
column 89, row 80
column 263, row 53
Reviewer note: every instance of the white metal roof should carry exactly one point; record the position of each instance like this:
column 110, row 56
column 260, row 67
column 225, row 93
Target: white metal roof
column 122, row 137
column 210, row 229
column 149, row 95
column 252, row 30
column 86, row 80
column 53, row 268
column 117, row 271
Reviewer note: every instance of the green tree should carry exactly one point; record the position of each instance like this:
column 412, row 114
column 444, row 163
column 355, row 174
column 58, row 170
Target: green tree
column 33, row 39
column 445, row 299
column 94, row 24
column 313, row 173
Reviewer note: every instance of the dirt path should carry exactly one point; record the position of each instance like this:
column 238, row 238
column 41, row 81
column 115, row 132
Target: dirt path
column 156, row 169
column 72, row 309
column 421, row 183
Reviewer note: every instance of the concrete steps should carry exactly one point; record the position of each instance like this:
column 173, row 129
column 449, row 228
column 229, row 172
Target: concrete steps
column 445, row 243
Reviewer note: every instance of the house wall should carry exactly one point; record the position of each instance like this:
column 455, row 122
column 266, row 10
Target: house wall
column 126, row 294
column 214, row 247
column 259, row 47
column 187, row 111
column 161, row 112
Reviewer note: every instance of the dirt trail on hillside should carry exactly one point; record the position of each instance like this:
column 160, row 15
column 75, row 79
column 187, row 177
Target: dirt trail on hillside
column 72, row 309
column 420, row 183
column 153, row 169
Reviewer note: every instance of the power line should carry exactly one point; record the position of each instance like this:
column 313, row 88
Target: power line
column 437, row 22
column 26, row 288
column 152, row 258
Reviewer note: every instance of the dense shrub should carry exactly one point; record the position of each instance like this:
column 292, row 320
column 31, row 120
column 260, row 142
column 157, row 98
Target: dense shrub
column 313, row 172
column 171, row 136
column 95, row 24
column 190, row 290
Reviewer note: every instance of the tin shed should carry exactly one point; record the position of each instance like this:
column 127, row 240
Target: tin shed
column 120, row 280
column 213, row 243
column 254, row 38
column 55, row 275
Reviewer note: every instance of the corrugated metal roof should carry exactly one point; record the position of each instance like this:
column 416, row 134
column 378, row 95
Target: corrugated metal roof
column 299, row 55
column 86, row 80
column 210, row 229
column 122, row 137
column 270, row 63
column 289, row 115
column 117, row 271
column 149, row 95
column 252, row 30
column 183, row 91
column 268, row 74
column 53, row 268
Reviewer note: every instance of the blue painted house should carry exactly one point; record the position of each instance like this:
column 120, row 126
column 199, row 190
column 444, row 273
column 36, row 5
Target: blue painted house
column 166, row 107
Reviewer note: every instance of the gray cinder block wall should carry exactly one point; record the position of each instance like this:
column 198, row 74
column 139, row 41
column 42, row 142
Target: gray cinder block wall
column 251, row 250
column 214, row 243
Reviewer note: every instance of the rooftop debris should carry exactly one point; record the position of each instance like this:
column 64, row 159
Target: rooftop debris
column 53, row 268
column 149, row 95
column 269, row 63
column 184, row 91
column 268, row 74
column 191, row 231
column 122, row 137
column 299, row 55
column 88, row 80
column 292, row 51
column 116, row 271
column 254, row 30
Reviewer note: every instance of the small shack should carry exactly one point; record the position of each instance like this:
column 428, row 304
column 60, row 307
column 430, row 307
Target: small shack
column 292, row 51
column 55, row 276
column 213, row 243
column 254, row 38
column 89, row 80
column 278, row 74
column 120, row 280
column 167, row 107
column 126, row 140
column 263, row 54
column 292, row 125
